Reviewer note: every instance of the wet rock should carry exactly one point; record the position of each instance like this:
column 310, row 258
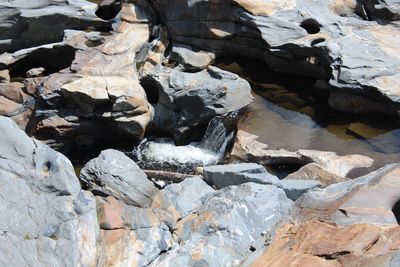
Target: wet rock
column 180, row 199
column 318, row 243
column 35, row 72
column 48, row 219
column 313, row 171
column 368, row 199
column 221, row 232
column 130, row 235
column 113, row 173
column 188, row 99
column 247, row 148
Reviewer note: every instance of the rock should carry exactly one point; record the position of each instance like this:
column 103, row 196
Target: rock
column 295, row 188
column 100, row 91
column 220, row 176
column 313, row 171
column 130, row 235
column 222, row 231
column 247, row 148
column 35, row 72
column 369, row 199
column 190, row 59
column 113, row 173
column 108, row 9
column 185, row 99
column 344, row 46
column 27, row 25
column 180, row 199
column 318, row 243
column 48, row 220
column 4, row 76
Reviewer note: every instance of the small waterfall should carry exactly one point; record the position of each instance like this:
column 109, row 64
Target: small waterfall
column 217, row 136
column 163, row 154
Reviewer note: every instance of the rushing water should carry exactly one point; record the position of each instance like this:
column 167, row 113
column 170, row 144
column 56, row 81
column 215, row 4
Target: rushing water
column 163, row 154
column 289, row 113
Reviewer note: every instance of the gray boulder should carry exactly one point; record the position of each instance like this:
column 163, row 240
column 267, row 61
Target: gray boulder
column 24, row 24
column 186, row 99
column 341, row 43
column 220, row 176
column 180, row 199
column 113, row 173
column 222, row 231
column 47, row 220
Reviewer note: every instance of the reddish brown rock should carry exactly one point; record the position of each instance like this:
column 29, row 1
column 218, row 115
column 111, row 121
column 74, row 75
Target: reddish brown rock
column 318, row 243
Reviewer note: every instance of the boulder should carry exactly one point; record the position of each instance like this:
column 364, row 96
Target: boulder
column 113, row 173
column 315, row 172
column 248, row 149
column 182, row 198
column 220, row 176
column 319, row 243
column 4, row 76
column 130, row 236
column 35, row 72
column 48, row 219
column 222, row 231
column 186, row 99
column 368, row 199
column 341, row 43
column 99, row 97
column 36, row 23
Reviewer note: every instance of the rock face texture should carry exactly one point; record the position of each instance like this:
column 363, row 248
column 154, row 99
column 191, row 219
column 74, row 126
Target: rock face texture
column 369, row 199
column 48, row 220
column 222, row 230
column 24, row 25
column 186, row 100
column 318, row 243
column 114, row 174
column 330, row 40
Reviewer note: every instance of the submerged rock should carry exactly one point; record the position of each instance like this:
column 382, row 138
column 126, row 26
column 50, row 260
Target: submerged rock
column 113, row 173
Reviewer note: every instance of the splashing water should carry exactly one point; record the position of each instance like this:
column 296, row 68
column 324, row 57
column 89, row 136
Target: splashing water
column 163, row 154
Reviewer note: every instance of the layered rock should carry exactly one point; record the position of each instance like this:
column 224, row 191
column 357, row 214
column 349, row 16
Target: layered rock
column 24, row 25
column 114, row 174
column 100, row 93
column 369, row 199
column 223, row 230
column 248, row 149
column 186, row 100
column 48, row 220
column 318, row 243
column 347, row 52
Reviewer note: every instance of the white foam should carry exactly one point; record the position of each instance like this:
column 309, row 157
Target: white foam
column 165, row 151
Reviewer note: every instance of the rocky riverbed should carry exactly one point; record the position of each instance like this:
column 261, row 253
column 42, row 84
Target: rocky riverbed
column 199, row 133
